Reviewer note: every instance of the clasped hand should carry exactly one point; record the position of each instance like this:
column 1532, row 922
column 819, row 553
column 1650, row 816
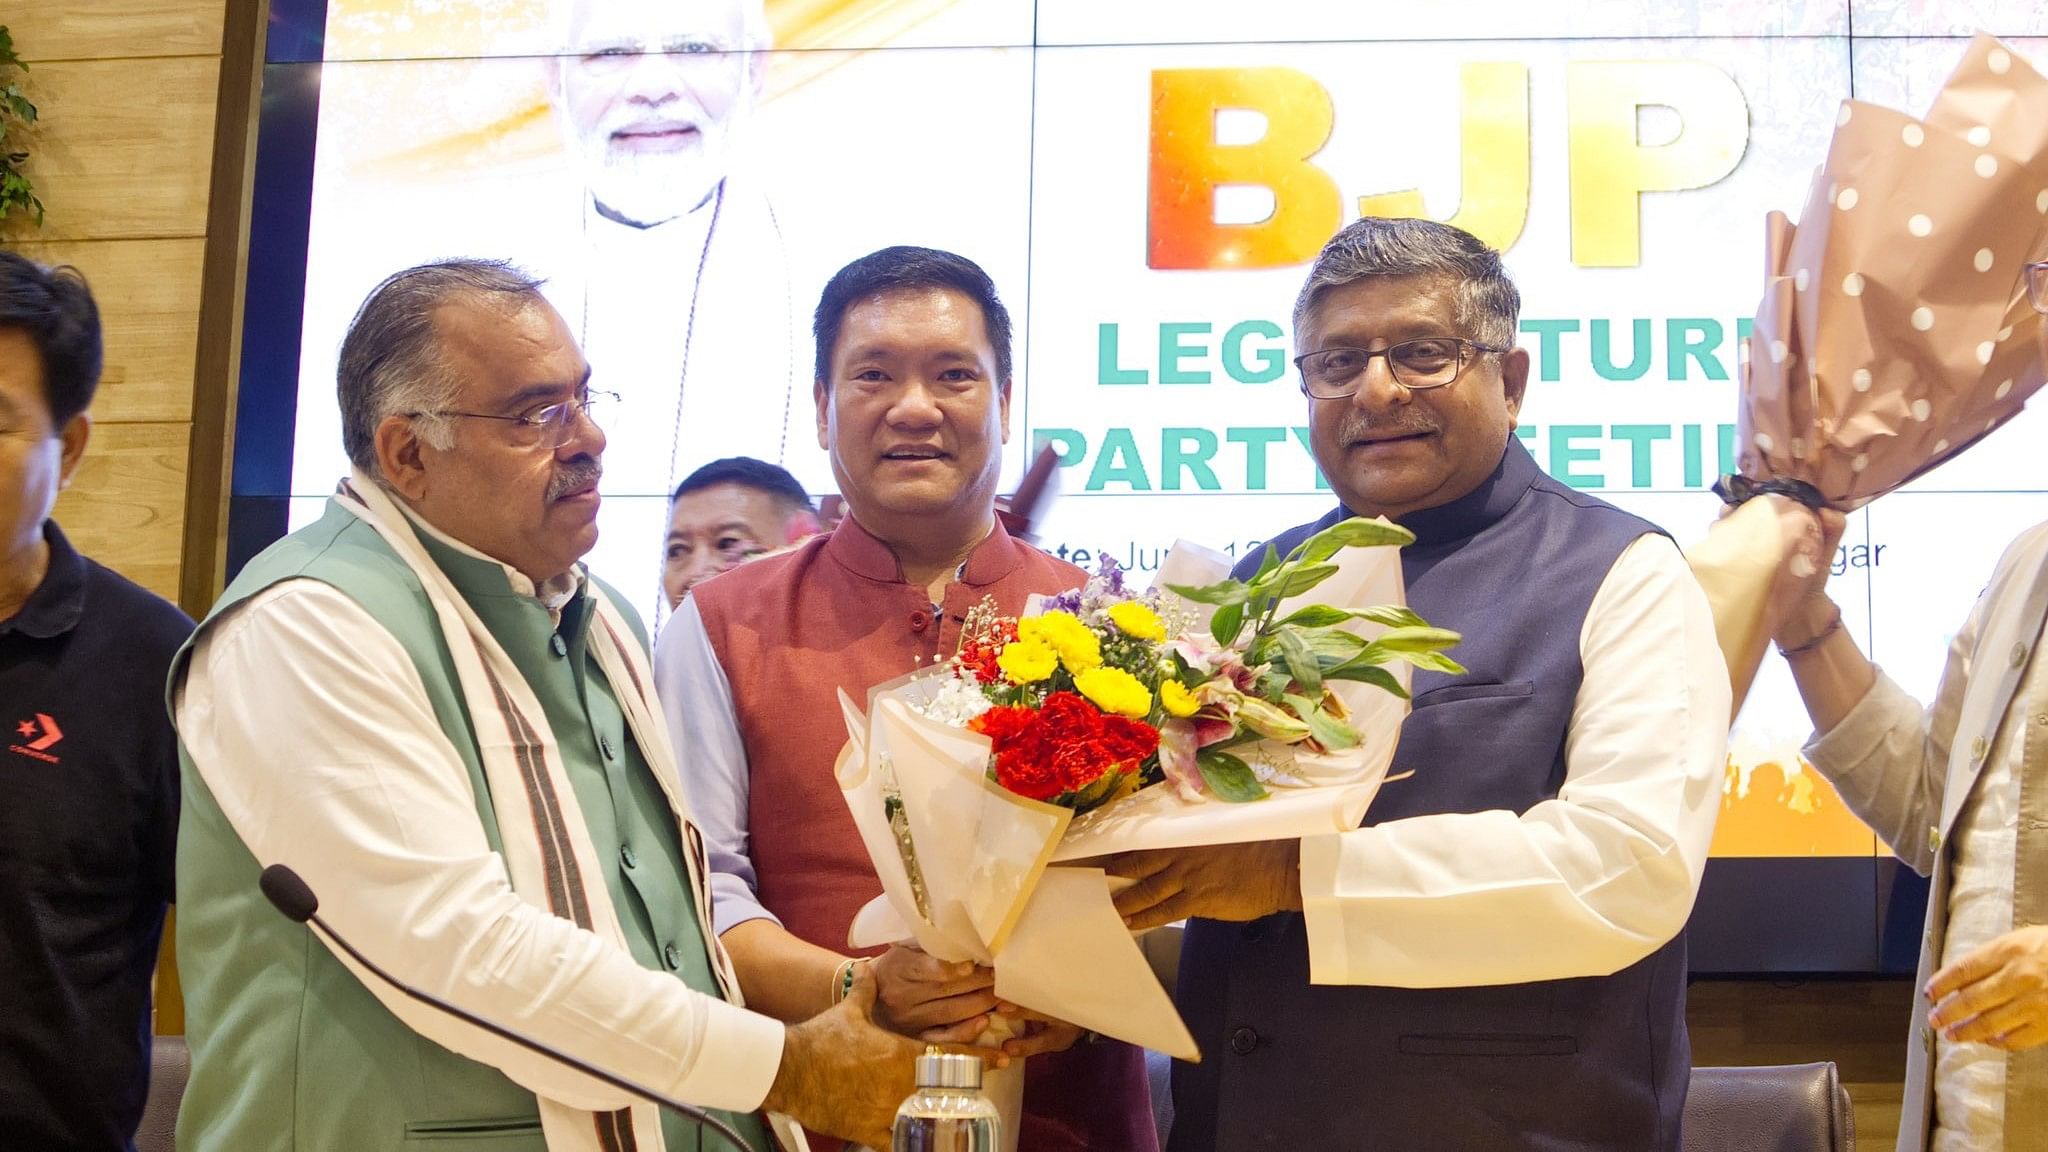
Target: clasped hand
column 954, row 1002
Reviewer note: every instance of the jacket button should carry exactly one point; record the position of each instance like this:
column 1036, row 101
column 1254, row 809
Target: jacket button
column 1978, row 749
column 919, row 621
column 1933, row 838
column 672, row 956
column 604, row 744
column 2019, row 654
column 557, row 645
column 1243, row 1040
column 628, row 857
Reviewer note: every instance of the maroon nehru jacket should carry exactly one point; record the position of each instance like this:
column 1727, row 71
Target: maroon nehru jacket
column 790, row 631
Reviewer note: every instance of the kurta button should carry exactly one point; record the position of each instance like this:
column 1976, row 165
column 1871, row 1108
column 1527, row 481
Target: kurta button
column 604, row 745
column 1933, row 839
column 919, row 621
column 1243, row 1040
column 628, row 857
column 672, row 956
column 2019, row 654
column 557, row 645
column 1978, row 749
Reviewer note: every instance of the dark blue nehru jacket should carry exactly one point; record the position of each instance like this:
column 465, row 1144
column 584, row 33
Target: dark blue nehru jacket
column 1598, row 1063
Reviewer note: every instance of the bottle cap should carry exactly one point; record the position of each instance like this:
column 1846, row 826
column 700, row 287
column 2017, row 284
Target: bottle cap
column 936, row 1069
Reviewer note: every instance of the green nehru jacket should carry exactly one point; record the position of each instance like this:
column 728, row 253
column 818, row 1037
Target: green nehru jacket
column 290, row 1050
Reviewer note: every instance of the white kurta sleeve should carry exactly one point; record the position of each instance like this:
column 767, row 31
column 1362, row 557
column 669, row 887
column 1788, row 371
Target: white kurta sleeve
column 313, row 731
column 1581, row 885
column 712, row 758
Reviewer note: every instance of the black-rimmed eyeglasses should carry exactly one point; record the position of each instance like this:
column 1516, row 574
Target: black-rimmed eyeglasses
column 1429, row 362
column 550, row 427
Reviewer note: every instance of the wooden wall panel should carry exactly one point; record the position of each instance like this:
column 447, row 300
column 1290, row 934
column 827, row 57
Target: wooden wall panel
column 113, row 29
column 126, row 505
column 149, row 311
column 124, row 149
column 1860, row 1025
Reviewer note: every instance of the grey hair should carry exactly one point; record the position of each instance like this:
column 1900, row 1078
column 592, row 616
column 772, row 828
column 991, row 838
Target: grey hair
column 391, row 360
column 1488, row 304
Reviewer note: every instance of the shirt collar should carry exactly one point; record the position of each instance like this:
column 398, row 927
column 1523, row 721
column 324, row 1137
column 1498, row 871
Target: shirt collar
column 552, row 595
column 862, row 553
column 1468, row 515
column 58, row 603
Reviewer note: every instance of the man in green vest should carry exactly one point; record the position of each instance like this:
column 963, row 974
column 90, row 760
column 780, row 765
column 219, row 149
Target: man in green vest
column 425, row 706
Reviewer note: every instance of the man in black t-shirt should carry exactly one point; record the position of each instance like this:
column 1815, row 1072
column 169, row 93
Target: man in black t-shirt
column 88, row 762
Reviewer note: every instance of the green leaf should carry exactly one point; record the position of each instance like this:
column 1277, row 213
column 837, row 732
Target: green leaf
column 1266, row 565
column 1332, row 646
column 1333, row 734
column 1222, row 593
column 1293, row 579
column 1227, row 622
column 1228, row 777
column 1392, row 615
column 1314, row 616
column 1418, row 638
column 1368, row 674
column 1353, row 533
column 1434, row 662
column 1301, row 662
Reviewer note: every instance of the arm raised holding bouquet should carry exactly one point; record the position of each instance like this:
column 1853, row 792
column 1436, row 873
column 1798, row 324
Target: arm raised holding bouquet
column 1903, row 320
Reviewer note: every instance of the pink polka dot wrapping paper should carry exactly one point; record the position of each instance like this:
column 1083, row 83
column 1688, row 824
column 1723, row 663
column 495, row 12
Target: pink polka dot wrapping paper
column 1895, row 329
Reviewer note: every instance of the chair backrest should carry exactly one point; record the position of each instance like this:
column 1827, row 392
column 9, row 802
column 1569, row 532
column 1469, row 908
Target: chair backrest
column 1775, row 1108
column 169, row 1063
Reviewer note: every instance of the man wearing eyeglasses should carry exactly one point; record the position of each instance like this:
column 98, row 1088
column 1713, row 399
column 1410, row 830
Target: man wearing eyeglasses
column 1960, row 793
column 1496, row 958
column 425, row 706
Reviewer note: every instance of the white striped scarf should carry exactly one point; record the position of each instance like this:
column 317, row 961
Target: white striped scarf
column 546, row 843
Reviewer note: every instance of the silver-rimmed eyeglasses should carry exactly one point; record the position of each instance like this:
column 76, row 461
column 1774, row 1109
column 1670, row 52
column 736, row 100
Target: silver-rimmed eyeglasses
column 547, row 427
column 1428, row 362
column 2037, row 285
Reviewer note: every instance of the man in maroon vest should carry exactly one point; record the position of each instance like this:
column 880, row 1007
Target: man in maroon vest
column 913, row 397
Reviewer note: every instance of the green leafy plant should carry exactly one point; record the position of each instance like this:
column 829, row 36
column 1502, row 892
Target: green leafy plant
column 1293, row 658
column 17, row 115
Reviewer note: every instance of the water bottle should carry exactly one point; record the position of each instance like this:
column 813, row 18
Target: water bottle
column 947, row 1113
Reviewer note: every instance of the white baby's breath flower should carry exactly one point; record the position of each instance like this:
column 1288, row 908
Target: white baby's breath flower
column 954, row 701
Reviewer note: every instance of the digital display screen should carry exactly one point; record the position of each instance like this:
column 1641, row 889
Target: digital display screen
column 1146, row 182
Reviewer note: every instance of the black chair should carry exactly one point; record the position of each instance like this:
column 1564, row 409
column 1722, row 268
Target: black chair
column 169, row 1063
column 1776, row 1108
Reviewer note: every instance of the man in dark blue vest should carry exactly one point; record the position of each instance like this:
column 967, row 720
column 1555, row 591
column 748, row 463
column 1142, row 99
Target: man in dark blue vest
column 1496, row 959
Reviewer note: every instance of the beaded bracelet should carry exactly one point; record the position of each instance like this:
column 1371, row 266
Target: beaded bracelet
column 1834, row 625
column 842, row 980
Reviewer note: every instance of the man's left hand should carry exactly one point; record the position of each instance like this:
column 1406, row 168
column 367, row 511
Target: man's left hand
column 1224, row 882
column 1996, row 995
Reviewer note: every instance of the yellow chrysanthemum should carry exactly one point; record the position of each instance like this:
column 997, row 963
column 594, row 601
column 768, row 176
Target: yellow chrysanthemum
column 1177, row 700
column 1135, row 619
column 1079, row 649
column 1026, row 661
column 1115, row 690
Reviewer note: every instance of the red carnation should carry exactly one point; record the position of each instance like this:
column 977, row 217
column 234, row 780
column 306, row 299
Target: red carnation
column 979, row 652
column 1063, row 747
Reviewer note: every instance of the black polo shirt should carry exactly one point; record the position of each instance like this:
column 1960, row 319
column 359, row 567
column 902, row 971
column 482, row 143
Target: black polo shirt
column 88, row 831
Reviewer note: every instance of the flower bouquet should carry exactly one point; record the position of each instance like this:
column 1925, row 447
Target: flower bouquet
column 1104, row 720
column 1894, row 330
